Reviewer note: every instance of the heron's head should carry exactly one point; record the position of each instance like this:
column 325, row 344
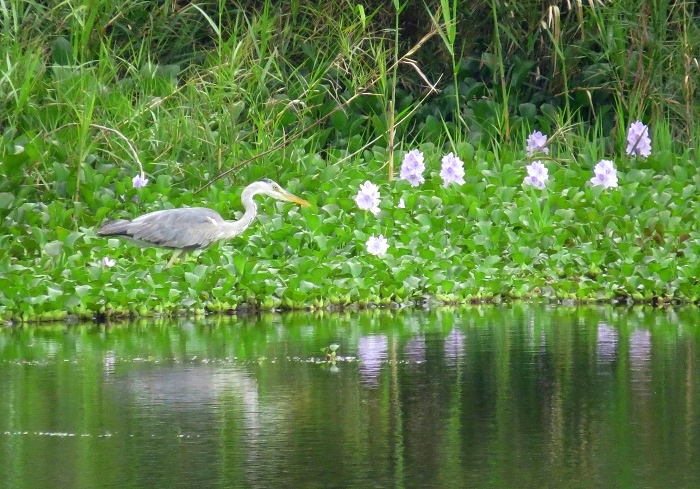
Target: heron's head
column 273, row 189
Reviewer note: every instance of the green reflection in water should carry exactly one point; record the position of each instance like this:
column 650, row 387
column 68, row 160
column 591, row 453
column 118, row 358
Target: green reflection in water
column 514, row 396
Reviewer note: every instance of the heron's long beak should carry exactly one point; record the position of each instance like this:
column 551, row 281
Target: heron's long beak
column 297, row 200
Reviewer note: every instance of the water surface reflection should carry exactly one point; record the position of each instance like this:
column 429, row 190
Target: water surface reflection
column 489, row 396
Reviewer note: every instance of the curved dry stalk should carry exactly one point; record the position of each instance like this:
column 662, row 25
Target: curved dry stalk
column 109, row 129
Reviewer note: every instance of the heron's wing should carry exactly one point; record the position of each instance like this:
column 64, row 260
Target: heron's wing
column 186, row 229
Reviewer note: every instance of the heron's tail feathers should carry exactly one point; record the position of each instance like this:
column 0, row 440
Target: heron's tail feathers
column 118, row 227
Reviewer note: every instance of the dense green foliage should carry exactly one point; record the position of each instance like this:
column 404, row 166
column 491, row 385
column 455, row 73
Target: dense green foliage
column 93, row 93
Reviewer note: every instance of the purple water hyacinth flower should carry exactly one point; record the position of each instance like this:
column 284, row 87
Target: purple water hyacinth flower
column 139, row 181
column 638, row 140
column 605, row 174
column 412, row 168
column 452, row 170
column 536, row 142
column 377, row 245
column 367, row 197
column 537, row 175
column 108, row 262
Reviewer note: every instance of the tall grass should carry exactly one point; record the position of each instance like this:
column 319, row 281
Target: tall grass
column 215, row 82
column 247, row 82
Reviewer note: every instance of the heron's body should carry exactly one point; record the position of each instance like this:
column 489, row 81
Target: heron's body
column 184, row 229
column 194, row 227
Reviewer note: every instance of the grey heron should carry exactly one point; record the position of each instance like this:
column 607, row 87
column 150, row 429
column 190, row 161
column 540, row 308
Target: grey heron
column 194, row 227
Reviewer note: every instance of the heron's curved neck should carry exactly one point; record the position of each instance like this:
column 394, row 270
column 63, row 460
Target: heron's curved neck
column 251, row 210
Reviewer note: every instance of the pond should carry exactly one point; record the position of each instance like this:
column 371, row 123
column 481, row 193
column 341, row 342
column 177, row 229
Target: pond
column 524, row 396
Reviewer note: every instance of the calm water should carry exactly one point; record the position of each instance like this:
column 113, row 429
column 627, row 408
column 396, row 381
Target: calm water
column 500, row 397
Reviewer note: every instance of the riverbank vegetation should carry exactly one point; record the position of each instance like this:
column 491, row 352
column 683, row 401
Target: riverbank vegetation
column 453, row 151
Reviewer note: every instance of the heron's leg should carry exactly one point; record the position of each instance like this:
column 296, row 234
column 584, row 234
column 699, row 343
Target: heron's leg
column 176, row 253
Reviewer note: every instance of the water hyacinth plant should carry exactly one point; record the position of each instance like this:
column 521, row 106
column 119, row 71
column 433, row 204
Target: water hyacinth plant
column 605, row 174
column 139, row 181
column 452, row 170
column 412, row 168
column 537, row 175
column 536, row 142
column 367, row 197
column 377, row 245
column 638, row 140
